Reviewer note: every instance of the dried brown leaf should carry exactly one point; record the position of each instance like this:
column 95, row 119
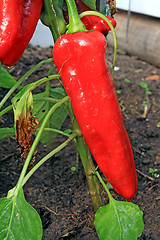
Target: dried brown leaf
column 24, row 129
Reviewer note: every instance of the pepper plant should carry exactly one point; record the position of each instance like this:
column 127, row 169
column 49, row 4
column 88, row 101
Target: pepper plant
column 88, row 96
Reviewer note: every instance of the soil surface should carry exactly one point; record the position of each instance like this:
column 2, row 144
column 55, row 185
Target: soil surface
column 59, row 194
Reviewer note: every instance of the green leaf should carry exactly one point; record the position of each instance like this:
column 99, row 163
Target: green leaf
column 73, row 168
column 90, row 3
column 126, row 80
column 41, row 107
column 148, row 92
column 6, row 132
column 6, row 80
column 119, row 221
column 18, row 219
column 17, row 97
column 24, row 105
column 68, row 131
column 118, row 91
column 151, row 170
column 143, row 85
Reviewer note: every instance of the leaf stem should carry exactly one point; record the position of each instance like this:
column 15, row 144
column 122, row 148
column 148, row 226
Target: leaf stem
column 75, row 24
column 88, row 167
column 104, row 185
column 57, row 131
column 49, row 155
column 23, row 78
column 43, row 80
column 7, row 109
column 47, row 99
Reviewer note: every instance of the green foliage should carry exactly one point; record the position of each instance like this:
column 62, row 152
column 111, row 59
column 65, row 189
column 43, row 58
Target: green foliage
column 126, row 80
column 67, row 131
column 24, row 105
column 17, row 97
column 121, row 103
column 6, row 80
column 119, row 221
column 42, row 104
column 90, row 3
column 73, row 168
column 145, row 86
column 18, row 219
column 144, row 103
column 6, row 132
column 153, row 172
column 118, row 91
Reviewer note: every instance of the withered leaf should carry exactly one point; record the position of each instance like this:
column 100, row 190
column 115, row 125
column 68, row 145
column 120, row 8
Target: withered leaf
column 25, row 127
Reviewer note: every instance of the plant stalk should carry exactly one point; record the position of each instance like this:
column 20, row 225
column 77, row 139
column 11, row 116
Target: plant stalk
column 75, row 24
column 89, row 167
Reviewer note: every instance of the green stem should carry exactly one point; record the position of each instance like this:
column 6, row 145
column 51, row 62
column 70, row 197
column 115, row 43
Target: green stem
column 43, row 80
column 47, row 88
column 36, row 141
column 104, row 185
column 23, row 78
column 57, row 131
column 50, row 71
column 7, row 109
column 49, row 155
column 88, row 168
column 47, row 99
column 111, row 27
column 75, row 24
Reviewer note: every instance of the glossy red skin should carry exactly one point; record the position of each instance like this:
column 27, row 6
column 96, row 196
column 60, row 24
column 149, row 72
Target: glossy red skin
column 94, row 22
column 18, row 20
column 80, row 59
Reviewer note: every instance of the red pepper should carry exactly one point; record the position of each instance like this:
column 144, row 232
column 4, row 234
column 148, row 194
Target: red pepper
column 94, row 22
column 80, row 59
column 18, row 20
column 90, row 21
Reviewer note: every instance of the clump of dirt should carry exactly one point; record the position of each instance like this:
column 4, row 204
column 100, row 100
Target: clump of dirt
column 60, row 195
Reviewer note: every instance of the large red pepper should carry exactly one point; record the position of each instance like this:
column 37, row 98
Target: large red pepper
column 80, row 59
column 18, row 20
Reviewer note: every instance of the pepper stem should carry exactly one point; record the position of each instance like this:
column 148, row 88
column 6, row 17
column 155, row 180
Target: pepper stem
column 88, row 165
column 75, row 24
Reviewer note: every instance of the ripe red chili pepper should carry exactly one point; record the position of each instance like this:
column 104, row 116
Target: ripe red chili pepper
column 18, row 20
column 80, row 59
column 94, row 22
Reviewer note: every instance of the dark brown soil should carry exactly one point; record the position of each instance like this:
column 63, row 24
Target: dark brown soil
column 60, row 195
